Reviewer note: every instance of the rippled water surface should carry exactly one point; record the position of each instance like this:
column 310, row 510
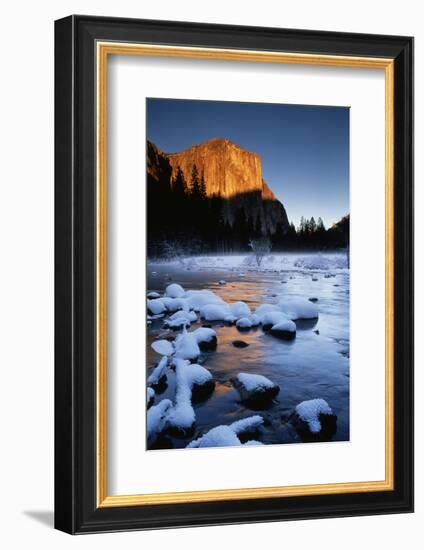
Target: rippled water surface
column 315, row 364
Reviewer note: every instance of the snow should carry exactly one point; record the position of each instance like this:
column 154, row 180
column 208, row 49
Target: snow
column 230, row 319
column 254, row 319
column 196, row 299
column 175, row 304
column 285, row 325
column 157, row 417
column 239, row 309
column 163, row 347
column 152, row 294
column 272, row 317
column 150, row 396
column 212, row 312
column 181, row 319
column 240, row 263
column 298, row 308
column 156, row 306
column 226, row 436
column 247, row 424
column 319, row 262
column 220, row 436
column 186, row 346
column 151, row 318
column 244, row 323
column 203, row 334
column 253, row 443
column 166, row 301
column 309, row 412
column 265, row 308
column 254, row 382
column 174, row 291
column 158, row 371
column 187, row 375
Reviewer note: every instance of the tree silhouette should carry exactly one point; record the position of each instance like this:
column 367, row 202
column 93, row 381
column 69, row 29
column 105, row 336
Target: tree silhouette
column 184, row 217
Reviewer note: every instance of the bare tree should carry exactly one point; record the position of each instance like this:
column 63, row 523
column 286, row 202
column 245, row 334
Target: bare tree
column 260, row 246
column 179, row 249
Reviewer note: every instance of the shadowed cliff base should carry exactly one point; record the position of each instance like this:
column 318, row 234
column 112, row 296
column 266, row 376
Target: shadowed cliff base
column 212, row 198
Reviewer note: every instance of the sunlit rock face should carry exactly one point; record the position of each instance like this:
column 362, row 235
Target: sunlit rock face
column 229, row 171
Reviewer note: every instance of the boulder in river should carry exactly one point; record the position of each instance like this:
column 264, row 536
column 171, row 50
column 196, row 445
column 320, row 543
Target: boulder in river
column 255, row 389
column 206, row 338
column 240, row 344
column 285, row 330
column 314, row 420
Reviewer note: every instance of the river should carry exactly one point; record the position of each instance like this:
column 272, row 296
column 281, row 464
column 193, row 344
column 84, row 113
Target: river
column 313, row 365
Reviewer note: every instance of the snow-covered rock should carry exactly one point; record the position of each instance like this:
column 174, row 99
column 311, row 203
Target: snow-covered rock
column 158, row 374
column 265, row 308
column 254, row 319
column 298, row 308
column 180, row 319
column 244, row 323
column 189, row 377
column 227, row 436
column 174, row 291
column 163, row 347
column 196, row 299
column 206, row 338
column 310, row 412
column 153, row 294
column 249, row 424
column 286, row 330
column 222, row 282
column 271, row 318
column 176, row 304
column 150, row 397
column 255, row 389
column 230, row 319
column 314, row 420
column 239, row 309
column 215, row 312
column 156, row 307
column 186, row 346
column 220, row 436
column 157, row 417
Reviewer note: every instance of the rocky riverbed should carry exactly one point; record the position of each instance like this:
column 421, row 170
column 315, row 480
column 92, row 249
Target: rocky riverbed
column 310, row 365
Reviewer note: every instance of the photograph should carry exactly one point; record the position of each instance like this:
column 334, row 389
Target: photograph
column 248, row 273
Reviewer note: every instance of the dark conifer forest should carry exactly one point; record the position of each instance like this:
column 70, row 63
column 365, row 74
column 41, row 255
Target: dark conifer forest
column 182, row 219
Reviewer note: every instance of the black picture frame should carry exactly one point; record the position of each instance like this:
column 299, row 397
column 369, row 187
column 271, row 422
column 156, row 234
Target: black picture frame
column 76, row 510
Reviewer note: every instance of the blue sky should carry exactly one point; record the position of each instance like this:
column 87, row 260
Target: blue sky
column 304, row 149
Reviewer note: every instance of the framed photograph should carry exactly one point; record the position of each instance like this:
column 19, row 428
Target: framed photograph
column 234, row 274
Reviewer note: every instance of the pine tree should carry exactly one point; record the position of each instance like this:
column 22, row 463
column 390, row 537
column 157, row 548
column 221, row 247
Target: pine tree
column 202, row 187
column 320, row 225
column 179, row 186
column 258, row 227
column 195, row 184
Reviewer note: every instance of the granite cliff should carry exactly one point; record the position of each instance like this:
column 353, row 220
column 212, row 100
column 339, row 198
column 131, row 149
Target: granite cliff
column 230, row 172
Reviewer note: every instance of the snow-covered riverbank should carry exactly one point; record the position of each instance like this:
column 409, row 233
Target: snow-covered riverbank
column 332, row 262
